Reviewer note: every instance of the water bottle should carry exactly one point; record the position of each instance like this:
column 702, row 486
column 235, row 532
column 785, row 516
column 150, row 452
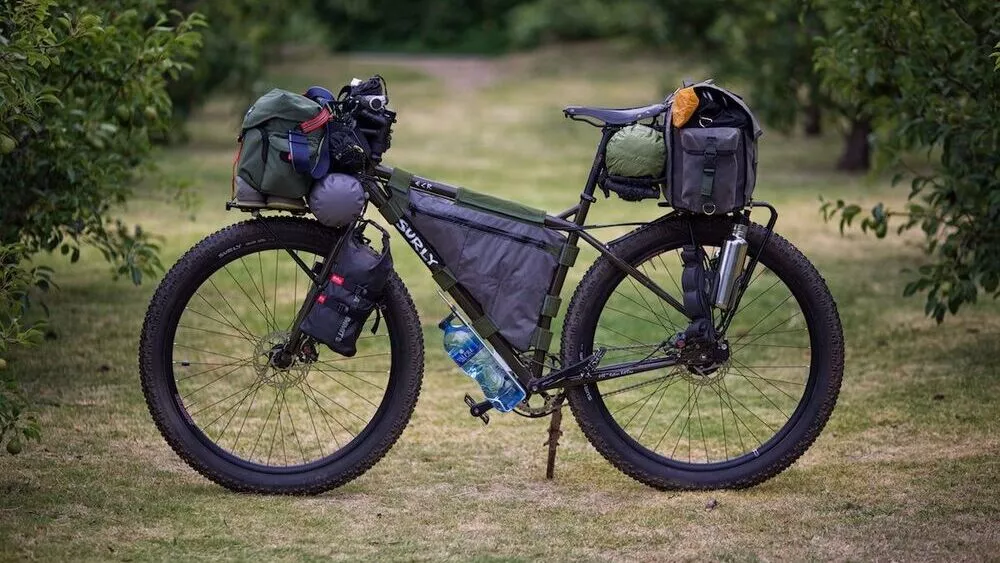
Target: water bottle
column 471, row 354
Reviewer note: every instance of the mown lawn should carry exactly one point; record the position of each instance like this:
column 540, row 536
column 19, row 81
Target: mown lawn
column 906, row 469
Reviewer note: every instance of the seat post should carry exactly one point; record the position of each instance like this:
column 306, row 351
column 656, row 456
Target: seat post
column 587, row 196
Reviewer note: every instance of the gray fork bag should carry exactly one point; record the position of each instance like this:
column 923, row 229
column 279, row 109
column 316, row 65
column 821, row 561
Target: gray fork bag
column 500, row 252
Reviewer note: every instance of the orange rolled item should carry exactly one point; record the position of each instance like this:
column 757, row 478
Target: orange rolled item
column 685, row 103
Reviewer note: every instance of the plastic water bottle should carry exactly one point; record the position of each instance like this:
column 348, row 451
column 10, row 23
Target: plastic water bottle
column 471, row 354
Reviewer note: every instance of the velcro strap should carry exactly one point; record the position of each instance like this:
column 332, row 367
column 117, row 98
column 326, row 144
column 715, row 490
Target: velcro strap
column 444, row 278
column 320, row 119
column 550, row 306
column 541, row 339
column 400, row 179
column 484, row 327
column 568, row 255
column 399, row 184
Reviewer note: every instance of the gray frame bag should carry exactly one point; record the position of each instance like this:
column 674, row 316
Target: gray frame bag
column 712, row 164
column 500, row 252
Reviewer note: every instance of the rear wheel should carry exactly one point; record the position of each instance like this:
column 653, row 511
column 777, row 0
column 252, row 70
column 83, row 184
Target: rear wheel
column 731, row 426
column 205, row 350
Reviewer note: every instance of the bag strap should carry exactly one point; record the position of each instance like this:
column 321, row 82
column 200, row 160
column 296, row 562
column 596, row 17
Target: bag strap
column 298, row 142
column 708, row 175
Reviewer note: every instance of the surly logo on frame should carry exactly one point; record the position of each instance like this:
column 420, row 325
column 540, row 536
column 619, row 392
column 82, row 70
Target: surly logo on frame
column 418, row 245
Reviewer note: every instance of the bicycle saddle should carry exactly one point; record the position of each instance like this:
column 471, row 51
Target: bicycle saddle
column 608, row 116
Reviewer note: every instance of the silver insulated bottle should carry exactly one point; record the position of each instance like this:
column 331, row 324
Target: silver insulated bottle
column 733, row 255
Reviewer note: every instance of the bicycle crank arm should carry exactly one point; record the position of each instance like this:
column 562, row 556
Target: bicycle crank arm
column 609, row 372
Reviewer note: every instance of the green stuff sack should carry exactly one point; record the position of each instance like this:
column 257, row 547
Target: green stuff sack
column 636, row 151
column 277, row 125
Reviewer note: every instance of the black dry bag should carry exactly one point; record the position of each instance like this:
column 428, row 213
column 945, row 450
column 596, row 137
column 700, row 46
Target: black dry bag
column 350, row 293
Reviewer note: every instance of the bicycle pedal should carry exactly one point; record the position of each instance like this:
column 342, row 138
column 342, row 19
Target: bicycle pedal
column 478, row 410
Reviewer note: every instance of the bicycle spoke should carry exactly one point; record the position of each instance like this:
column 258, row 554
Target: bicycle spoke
column 216, row 368
column 363, row 398
column 291, row 422
column 637, row 385
column 238, row 318
column 676, row 416
column 768, row 380
column 251, row 300
column 212, row 331
column 651, row 413
column 248, row 335
column 245, row 416
column 185, row 397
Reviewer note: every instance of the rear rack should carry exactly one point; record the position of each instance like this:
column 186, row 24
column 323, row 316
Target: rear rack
column 254, row 206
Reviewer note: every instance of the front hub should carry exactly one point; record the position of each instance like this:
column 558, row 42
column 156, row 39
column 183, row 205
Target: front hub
column 274, row 366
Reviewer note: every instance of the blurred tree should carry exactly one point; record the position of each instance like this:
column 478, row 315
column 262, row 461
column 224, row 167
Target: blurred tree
column 242, row 35
column 420, row 25
column 923, row 72
column 17, row 424
column 81, row 91
column 771, row 45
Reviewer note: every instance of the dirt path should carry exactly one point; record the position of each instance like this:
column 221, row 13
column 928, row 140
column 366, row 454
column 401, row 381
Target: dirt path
column 459, row 73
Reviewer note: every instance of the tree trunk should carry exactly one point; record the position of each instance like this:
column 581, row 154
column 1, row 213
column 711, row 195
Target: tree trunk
column 857, row 149
column 814, row 120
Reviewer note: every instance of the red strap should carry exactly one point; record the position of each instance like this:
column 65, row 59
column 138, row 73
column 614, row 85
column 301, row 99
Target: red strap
column 316, row 122
column 236, row 161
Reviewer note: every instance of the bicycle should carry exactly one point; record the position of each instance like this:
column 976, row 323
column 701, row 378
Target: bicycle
column 234, row 386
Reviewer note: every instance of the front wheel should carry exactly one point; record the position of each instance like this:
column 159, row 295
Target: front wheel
column 732, row 426
column 204, row 359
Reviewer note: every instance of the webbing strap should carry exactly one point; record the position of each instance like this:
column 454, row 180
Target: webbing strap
column 541, row 339
column 444, row 278
column 568, row 255
column 484, row 326
column 708, row 170
column 550, row 306
column 400, row 180
column 298, row 152
column 399, row 185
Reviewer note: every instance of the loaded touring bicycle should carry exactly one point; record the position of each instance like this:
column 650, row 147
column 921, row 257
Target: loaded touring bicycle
column 701, row 350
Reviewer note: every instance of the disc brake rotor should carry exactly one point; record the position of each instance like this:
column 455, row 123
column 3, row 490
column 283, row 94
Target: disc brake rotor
column 267, row 372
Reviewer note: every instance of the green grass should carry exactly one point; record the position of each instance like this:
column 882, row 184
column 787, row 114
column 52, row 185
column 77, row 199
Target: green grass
column 906, row 468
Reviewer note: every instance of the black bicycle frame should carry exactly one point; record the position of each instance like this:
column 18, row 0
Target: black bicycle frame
column 379, row 196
